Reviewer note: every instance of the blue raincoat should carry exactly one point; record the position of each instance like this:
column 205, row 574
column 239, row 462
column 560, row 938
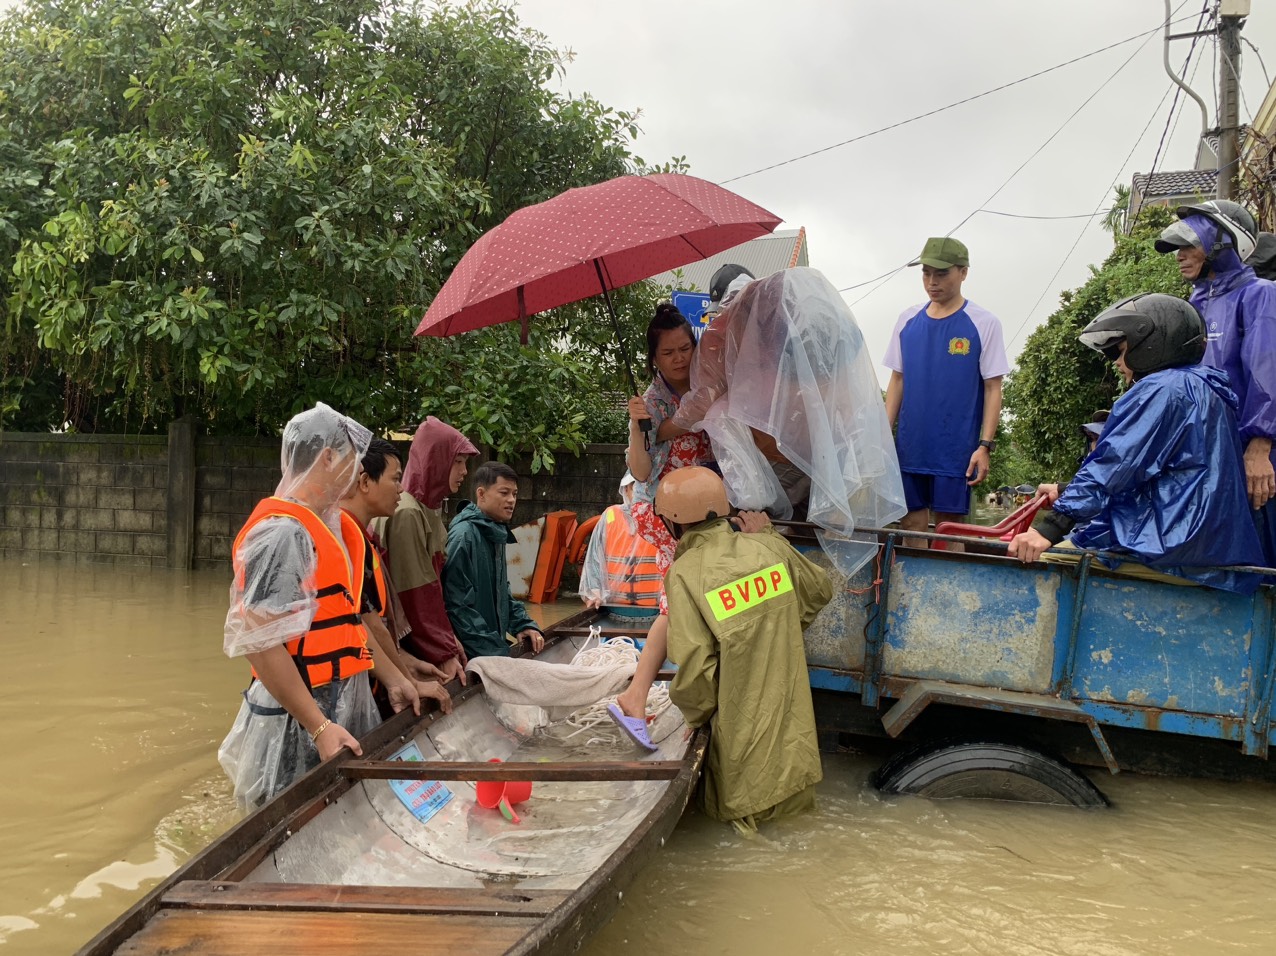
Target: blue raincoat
column 1240, row 321
column 1165, row 485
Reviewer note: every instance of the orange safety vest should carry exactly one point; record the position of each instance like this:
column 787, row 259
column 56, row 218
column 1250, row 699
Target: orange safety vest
column 630, row 562
column 336, row 646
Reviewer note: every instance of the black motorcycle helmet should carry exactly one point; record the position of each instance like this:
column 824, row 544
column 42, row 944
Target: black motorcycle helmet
column 725, row 275
column 1161, row 331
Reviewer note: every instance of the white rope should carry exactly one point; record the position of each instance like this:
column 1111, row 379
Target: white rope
column 608, row 653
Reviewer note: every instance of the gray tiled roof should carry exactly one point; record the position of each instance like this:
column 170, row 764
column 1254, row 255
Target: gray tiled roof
column 1182, row 182
column 762, row 256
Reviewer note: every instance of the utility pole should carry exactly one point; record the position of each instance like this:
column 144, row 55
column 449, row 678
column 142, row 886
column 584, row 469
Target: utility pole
column 1231, row 16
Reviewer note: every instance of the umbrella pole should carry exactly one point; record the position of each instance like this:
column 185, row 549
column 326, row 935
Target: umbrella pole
column 645, row 424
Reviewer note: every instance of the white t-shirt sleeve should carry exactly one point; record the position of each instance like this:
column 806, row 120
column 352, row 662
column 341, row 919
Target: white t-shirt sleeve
column 992, row 346
column 894, row 360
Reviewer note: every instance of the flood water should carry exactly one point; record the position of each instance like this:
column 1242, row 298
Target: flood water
column 120, row 694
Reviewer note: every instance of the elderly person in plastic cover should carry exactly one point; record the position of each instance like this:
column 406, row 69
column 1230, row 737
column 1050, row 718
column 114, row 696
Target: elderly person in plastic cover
column 738, row 604
column 1164, row 485
column 1211, row 242
column 295, row 614
column 809, row 426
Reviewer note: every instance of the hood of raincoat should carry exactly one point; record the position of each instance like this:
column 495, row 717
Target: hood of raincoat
column 472, row 516
column 434, row 447
column 1165, row 484
column 1227, row 265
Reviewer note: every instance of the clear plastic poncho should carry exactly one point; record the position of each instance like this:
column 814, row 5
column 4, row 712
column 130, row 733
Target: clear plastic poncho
column 619, row 569
column 809, row 423
column 272, row 598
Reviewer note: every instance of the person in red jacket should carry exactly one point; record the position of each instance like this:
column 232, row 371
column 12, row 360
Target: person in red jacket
column 415, row 538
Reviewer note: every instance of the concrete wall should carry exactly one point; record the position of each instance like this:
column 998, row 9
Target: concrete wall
column 98, row 496
column 134, row 499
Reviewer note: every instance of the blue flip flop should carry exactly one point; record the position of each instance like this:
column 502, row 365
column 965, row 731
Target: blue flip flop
column 635, row 728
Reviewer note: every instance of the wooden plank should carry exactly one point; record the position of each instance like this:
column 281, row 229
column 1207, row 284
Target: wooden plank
column 592, row 904
column 316, row 897
column 479, row 770
column 239, row 933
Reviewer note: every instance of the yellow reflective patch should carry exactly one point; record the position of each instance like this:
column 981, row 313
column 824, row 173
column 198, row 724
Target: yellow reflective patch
column 609, row 515
column 749, row 591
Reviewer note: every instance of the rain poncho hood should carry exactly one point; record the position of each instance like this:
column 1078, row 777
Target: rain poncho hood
column 810, row 399
column 476, row 586
column 743, row 665
column 319, row 459
column 272, row 598
column 434, row 447
column 1239, row 310
column 1165, row 485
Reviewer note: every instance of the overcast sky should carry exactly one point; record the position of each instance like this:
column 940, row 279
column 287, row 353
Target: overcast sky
column 737, row 86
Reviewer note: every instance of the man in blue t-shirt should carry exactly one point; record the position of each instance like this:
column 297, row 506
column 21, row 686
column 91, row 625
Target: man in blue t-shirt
column 949, row 403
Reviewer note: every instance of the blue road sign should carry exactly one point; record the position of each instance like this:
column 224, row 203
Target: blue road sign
column 692, row 305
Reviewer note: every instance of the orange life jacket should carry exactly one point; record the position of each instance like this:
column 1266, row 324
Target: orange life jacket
column 630, row 562
column 336, row 645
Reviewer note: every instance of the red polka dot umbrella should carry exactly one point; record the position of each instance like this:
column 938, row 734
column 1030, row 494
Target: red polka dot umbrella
column 589, row 241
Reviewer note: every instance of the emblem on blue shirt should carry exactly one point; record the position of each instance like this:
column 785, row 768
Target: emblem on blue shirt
column 959, row 346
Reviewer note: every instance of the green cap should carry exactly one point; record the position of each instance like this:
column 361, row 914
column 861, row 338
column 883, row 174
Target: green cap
column 943, row 252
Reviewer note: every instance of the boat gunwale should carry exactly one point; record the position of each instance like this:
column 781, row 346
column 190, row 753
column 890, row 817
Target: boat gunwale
column 242, row 847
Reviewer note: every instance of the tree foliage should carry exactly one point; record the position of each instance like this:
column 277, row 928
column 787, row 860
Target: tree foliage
column 1059, row 383
column 234, row 210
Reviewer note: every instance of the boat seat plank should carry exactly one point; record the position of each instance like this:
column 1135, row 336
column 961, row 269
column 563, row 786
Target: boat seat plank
column 477, row 770
column 320, row 897
column 246, row 933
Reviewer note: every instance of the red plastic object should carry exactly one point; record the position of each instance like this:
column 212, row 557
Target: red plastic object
column 580, row 540
column 494, row 794
column 1017, row 522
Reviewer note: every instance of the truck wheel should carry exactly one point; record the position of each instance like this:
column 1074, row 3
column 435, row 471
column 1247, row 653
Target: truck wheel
column 987, row 770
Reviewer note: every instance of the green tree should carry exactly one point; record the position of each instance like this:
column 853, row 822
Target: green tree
column 234, row 210
column 1058, row 382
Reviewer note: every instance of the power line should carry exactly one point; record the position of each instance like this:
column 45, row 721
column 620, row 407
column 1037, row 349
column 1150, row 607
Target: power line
column 1171, row 118
column 941, row 109
column 1106, row 193
column 1019, row 215
column 886, row 277
column 1260, row 60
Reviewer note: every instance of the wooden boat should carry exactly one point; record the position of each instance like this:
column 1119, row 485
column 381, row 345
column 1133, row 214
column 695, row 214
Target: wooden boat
column 339, row 863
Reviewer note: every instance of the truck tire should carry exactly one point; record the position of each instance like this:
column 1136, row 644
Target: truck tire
column 987, row 770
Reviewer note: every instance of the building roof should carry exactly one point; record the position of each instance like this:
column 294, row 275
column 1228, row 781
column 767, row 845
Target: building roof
column 1172, row 183
column 762, row 256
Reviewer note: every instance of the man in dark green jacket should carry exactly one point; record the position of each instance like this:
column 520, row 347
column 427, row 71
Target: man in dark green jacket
column 476, row 585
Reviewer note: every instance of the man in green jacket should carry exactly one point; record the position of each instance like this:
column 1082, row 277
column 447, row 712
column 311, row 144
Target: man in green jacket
column 738, row 604
column 476, row 585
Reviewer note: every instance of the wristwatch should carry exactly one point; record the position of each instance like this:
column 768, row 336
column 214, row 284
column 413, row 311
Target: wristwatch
column 990, row 445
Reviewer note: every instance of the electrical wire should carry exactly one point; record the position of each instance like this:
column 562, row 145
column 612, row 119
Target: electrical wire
column 1019, row 215
column 886, row 277
column 1103, row 199
column 1171, row 119
column 941, row 109
column 1260, row 60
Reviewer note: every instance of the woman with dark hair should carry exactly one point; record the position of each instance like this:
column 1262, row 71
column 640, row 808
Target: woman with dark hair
column 670, row 348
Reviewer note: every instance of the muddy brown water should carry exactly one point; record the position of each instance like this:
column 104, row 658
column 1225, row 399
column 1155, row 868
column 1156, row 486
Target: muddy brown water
column 119, row 695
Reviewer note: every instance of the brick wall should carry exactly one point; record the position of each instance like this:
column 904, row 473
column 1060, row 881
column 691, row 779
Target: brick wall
column 105, row 497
